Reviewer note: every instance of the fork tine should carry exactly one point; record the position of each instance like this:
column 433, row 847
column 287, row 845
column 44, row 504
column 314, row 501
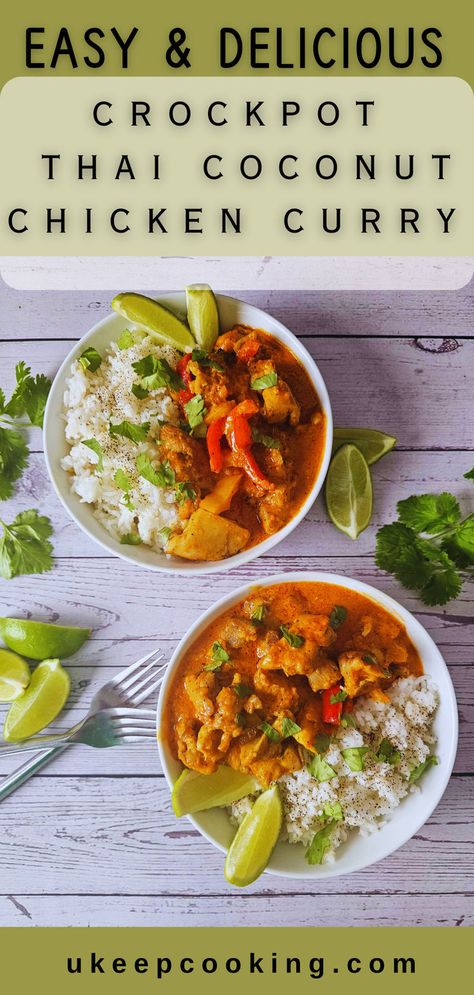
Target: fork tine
column 134, row 723
column 128, row 685
column 136, row 737
column 119, row 678
column 129, row 713
column 146, row 692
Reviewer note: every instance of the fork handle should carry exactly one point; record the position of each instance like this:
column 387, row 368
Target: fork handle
column 27, row 770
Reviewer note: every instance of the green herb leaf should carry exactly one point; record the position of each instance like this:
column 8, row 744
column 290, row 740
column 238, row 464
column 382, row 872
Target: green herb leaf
column 241, row 719
column 219, row 654
column 202, row 358
column 139, row 392
column 348, row 720
column 125, row 339
column 97, row 449
column 13, row 459
column 336, row 698
column 370, row 658
column 271, row 733
column 90, row 359
column 322, row 742
column 265, row 440
column 387, row 753
column 354, row 757
column 136, row 433
column 156, row 373
column 429, row 513
column 162, row 475
column 319, row 844
column 29, row 397
column 334, row 811
column 165, row 533
column 25, row 546
column 460, row 546
column 195, row 410
column 470, row 474
column 337, row 616
column 289, row 728
column 417, row 564
column 242, row 690
column 185, row 492
column 258, row 613
column 125, row 485
column 261, row 383
column 320, row 769
column 415, row 775
column 130, row 539
column 292, row 638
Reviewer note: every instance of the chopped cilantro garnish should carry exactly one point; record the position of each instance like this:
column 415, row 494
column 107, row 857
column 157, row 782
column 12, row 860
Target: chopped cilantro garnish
column 136, row 433
column 322, row 741
column 155, row 373
column 125, row 485
column 268, row 380
column 320, row 769
column 219, row 654
column 265, row 440
column 292, row 638
column 289, row 728
column 161, row 475
column 202, row 358
column 336, row 698
column 130, row 539
column 195, row 410
column 185, row 491
column 90, row 359
column 258, row 613
column 165, row 533
column 271, row 733
column 387, row 753
column 97, row 449
column 337, row 616
column 126, row 339
column 354, row 757
column 319, row 844
column 242, row 690
column 430, row 761
column 139, row 391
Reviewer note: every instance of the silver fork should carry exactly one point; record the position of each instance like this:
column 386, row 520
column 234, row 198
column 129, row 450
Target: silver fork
column 130, row 687
column 107, row 727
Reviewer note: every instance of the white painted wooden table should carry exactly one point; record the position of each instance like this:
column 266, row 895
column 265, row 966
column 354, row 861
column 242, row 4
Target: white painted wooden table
column 93, row 839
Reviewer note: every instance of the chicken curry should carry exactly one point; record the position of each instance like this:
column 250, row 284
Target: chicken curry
column 276, row 672
column 249, row 446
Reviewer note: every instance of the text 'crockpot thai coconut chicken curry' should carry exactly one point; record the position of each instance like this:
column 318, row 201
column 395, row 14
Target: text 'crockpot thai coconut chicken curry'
column 276, row 675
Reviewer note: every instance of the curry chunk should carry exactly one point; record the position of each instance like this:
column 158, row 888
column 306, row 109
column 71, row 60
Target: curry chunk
column 360, row 674
column 239, row 631
column 208, row 537
column 300, row 658
column 186, row 457
column 279, row 405
column 326, row 675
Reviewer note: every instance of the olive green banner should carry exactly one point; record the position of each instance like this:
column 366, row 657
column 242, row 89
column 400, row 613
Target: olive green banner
column 400, row 39
column 207, row 961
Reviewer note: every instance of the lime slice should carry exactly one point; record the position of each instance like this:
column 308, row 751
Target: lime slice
column 158, row 321
column 349, row 491
column 14, row 676
column 372, row 444
column 195, row 792
column 40, row 704
column 41, row 640
column 203, row 316
column 255, row 840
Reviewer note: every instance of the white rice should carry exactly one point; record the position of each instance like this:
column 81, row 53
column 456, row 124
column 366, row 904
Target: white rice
column 91, row 401
column 368, row 797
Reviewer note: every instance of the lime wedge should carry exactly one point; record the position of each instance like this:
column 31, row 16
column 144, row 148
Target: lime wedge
column 203, row 316
column 14, row 676
column 372, row 444
column 42, row 640
column 195, row 792
column 158, row 321
column 255, row 840
column 349, row 491
column 40, row 704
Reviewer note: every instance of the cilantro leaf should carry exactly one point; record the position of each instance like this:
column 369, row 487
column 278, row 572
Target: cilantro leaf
column 242, row 690
column 185, row 492
column 292, row 638
column 320, row 769
column 130, row 539
column 156, row 373
column 334, row 811
column 444, row 583
column 261, row 383
column 387, row 753
column 202, row 358
column 161, row 476
column 136, row 433
column 348, row 720
column 165, row 533
column 415, row 775
column 321, row 842
column 97, row 449
column 322, row 742
column 14, row 455
column 139, row 391
column 125, row 339
column 125, row 485
column 469, row 475
column 258, row 613
column 16, row 405
column 219, row 654
column 25, row 546
column 289, row 728
column 336, row 698
column 337, row 616
column 195, row 410
column 355, row 756
column 460, row 545
column 29, row 397
column 90, row 359
column 265, row 440
column 271, row 733
column 429, row 513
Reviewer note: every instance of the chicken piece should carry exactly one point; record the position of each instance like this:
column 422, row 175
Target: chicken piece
column 270, row 769
column 316, row 633
column 202, row 690
column 188, row 752
column 279, row 405
column 231, row 340
column 326, row 675
column 208, row 537
column 237, row 632
column 359, row 674
column 309, row 718
column 279, row 695
column 261, row 368
column 273, row 464
column 273, row 509
column 186, row 456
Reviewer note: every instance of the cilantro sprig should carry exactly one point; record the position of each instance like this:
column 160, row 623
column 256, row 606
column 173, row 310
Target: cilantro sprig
column 24, row 546
column 430, row 546
column 28, row 400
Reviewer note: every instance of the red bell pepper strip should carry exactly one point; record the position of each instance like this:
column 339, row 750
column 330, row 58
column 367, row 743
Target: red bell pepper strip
column 248, row 350
column 238, row 433
column 182, row 368
column 213, row 439
column 252, row 469
column 332, row 710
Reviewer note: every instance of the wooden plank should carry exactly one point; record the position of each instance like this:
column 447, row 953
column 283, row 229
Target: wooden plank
column 97, row 839
column 28, row 314
column 234, row 910
column 397, row 476
column 413, row 388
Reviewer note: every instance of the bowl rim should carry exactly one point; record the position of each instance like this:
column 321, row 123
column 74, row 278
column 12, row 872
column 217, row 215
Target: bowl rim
column 393, row 606
column 105, row 539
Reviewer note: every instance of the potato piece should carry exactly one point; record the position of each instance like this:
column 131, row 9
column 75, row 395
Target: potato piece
column 208, row 537
column 220, row 498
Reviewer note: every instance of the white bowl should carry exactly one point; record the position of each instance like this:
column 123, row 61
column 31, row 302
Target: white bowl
column 358, row 852
column 231, row 311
